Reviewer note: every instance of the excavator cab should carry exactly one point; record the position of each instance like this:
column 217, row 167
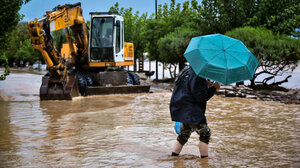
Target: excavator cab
column 106, row 38
column 107, row 41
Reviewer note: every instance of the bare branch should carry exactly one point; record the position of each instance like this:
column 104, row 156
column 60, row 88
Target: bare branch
column 280, row 82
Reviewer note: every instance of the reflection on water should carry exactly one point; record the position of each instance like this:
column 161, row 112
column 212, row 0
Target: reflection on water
column 135, row 130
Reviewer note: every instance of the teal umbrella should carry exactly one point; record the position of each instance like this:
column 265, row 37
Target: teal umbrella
column 221, row 58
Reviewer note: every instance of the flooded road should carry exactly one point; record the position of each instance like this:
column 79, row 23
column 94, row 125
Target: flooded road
column 135, row 130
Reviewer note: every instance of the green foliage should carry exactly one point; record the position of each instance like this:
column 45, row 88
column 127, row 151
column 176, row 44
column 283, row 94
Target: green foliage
column 152, row 35
column 134, row 28
column 220, row 16
column 277, row 53
column 59, row 38
column 27, row 53
column 19, row 46
column 9, row 18
column 172, row 46
column 4, row 61
column 280, row 16
column 17, row 37
column 169, row 18
column 165, row 36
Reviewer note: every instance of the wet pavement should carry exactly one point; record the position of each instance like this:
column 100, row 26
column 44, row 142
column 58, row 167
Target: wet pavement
column 135, row 130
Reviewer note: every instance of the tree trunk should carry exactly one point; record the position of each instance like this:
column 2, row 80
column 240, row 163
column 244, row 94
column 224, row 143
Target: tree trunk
column 281, row 82
column 252, row 85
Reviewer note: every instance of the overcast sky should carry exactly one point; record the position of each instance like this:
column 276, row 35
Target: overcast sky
column 37, row 8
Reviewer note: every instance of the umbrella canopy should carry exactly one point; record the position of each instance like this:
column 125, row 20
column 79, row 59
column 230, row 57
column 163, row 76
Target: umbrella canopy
column 221, row 58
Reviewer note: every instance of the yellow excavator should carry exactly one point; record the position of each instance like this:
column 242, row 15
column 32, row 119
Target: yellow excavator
column 91, row 62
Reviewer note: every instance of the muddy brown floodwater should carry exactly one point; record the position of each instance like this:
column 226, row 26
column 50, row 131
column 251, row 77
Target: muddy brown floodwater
column 135, row 130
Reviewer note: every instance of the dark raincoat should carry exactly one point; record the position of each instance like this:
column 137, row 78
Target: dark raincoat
column 188, row 101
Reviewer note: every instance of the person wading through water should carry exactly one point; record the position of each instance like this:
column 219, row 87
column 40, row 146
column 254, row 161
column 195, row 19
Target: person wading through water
column 188, row 105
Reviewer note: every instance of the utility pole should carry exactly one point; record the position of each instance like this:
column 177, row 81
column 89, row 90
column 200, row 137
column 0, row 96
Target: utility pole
column 156, row 62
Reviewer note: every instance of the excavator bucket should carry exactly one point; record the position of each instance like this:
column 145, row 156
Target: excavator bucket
column 59, row 91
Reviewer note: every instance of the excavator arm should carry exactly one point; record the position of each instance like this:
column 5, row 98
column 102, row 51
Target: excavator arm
column 55, row 86
column 42, row 41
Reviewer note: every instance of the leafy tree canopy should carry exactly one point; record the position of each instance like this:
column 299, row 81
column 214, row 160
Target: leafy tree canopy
column 277, row 53
column 9, row 18
column 280, row 16
column 172, row 46
column 165, row 34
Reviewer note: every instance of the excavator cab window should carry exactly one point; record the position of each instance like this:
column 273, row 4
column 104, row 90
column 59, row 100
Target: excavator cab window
column 118, row 36
column 101, row 49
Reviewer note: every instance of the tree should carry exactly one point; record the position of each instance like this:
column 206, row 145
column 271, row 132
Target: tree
column 172, row 46
column 27, row 53
column 4, row 60
column 280, row 16
column 177, row 22
column 220, row 16
column 173, row 22
column 16, row 39
column 19, row 46
column 277, row 53
column 152, row 35
column 9, row 18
